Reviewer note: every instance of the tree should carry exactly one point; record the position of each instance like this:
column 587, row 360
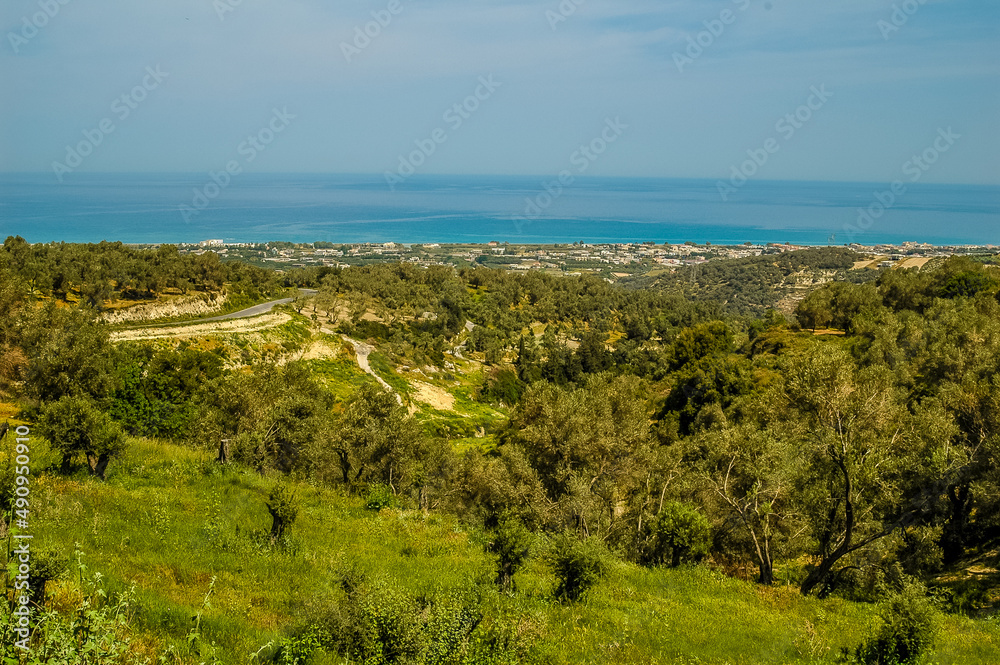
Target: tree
column 702, row 341
column 275, row 417
column 74, row 425
column 713, row 381
column 816, row 311
column 284, row 509
column 678, row 534
column 68, row 352
column 377, row 440
column 969, row 515
column 593, row 354
column 156, row 392
column 751, row 468
column 589, row 447
column 968, row 283
column 860, row 453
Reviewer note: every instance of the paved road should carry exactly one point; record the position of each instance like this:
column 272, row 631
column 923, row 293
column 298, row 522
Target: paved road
column 256, row 310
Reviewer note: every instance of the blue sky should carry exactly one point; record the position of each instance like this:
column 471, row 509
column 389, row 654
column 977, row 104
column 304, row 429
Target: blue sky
column 227, row 71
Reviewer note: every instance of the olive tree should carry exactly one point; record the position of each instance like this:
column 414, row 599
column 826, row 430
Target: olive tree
column 751, row 469
column 376, row 440
column 74, row 425
column 861, row 480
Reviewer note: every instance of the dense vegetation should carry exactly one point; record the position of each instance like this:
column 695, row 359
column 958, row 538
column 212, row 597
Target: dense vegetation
column 752, row 285
column 107, row 272
column 647, row 440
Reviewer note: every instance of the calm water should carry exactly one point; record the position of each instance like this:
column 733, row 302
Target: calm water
column 147, row 208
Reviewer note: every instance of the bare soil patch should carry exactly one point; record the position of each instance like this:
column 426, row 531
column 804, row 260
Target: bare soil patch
column 433, row 396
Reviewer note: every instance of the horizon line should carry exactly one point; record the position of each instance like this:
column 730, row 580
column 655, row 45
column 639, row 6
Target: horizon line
column 548, row 176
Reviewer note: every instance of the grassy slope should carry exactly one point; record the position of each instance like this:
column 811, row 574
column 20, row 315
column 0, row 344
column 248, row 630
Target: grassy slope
column 169, row 520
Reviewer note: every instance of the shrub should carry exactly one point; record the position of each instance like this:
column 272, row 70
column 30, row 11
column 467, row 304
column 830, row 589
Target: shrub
column 46, row 565
column 380, row 496
column 376, row 622
column 99, row 630
column 510, row 541
column 577, row 564
column 678, row 534
column 908, row 626
column 965, row 596
column 501, row 387
column 283, row 508
column 299, row 649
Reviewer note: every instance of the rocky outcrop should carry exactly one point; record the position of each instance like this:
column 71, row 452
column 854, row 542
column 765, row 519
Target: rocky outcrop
column 194, row 305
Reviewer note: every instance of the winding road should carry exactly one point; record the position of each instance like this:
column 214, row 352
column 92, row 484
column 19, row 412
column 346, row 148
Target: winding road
column 362, row 351
column 256, row 310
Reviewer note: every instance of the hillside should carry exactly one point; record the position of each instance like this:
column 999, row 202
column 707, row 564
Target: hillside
column 176, row 526
column 753, row 285
column 440, row 465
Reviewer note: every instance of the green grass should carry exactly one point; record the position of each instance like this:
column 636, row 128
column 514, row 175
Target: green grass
column 461, row 424
column 169, row 520
column 341, row 375
column 381, row 366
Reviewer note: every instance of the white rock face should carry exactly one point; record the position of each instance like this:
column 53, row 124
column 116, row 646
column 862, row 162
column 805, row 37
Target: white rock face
column 184, row 306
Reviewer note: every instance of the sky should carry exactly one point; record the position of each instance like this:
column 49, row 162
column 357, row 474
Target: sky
column 658, row 88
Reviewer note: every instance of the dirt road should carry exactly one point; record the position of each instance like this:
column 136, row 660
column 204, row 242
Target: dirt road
column 362, row 351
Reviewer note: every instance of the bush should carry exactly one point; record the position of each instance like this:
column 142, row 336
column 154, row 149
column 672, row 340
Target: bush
column 678, row 534
column 501, row 387
column 376, row 622
column 100, row 630
column 577, row 564
column 510, row 542
column 380, row 496
column 906, row 632
column 283, row 508
column 46, row 565
column 966, row 596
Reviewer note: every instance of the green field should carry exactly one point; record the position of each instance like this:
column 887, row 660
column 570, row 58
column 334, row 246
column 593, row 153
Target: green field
column 170, row 520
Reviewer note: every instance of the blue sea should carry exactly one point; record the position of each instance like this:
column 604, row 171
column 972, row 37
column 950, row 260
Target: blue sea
column 156, row 208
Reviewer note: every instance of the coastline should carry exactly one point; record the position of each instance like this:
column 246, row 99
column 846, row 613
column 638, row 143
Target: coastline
column 258, row 208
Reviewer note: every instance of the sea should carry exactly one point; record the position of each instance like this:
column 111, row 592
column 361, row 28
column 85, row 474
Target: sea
column 188, row 208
